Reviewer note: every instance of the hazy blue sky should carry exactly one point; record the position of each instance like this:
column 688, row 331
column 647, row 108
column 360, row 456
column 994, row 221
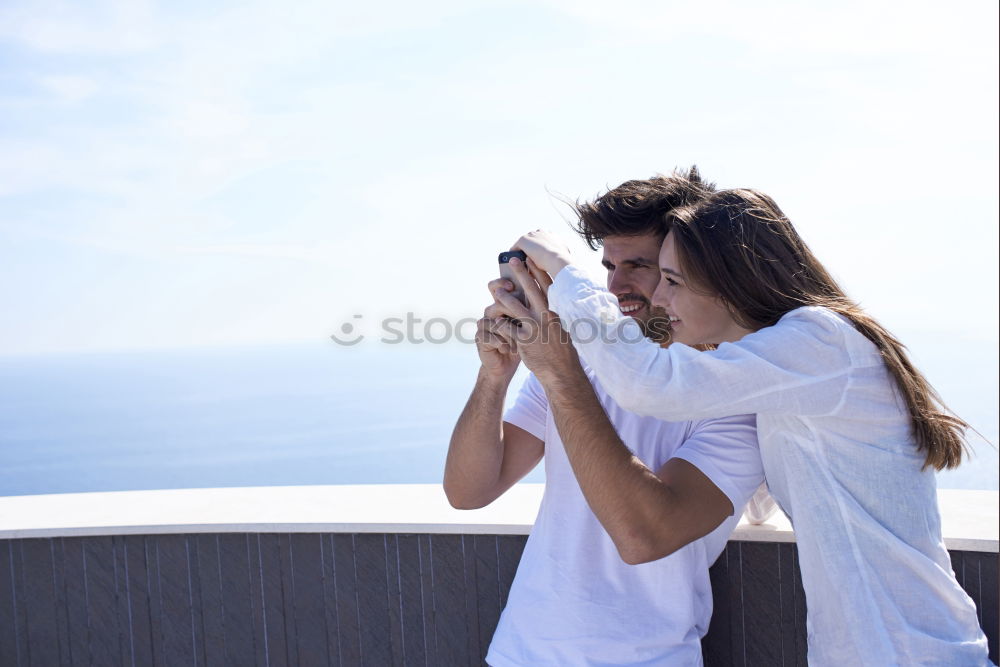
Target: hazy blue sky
column 190, row 173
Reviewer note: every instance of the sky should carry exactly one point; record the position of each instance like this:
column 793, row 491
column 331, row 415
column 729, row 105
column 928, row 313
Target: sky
column 187, row 174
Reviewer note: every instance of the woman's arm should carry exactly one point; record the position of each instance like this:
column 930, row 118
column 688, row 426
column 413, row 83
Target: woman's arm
column 799, row 366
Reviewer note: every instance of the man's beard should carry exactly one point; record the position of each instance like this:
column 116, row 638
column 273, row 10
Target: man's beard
column 657, row 327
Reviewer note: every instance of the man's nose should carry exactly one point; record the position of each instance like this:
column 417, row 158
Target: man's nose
column 618, row 283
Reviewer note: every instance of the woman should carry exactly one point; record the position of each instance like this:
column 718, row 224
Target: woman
column 850, row 432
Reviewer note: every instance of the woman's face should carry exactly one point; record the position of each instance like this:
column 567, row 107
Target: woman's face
column 695, row 317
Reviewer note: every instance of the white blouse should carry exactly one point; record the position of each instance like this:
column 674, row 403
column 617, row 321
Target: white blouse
column 839, row 457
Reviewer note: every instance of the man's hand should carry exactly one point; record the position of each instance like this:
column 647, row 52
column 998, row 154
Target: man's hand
column 497, row 353
column 545, row 250
column 533, row 329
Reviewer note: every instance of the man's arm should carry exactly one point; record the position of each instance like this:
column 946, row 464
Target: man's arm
column 647, row 515
column 487, row 455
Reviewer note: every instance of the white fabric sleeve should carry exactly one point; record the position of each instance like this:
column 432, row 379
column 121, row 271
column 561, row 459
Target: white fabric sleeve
column 761, row 506
column 531, row 408
column 726, row 451
column 799, row 366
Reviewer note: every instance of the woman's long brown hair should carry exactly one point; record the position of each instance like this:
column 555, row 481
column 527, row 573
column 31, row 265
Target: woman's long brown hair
column 738, row 245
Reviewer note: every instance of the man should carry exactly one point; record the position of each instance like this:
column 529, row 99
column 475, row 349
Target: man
column 594, row 586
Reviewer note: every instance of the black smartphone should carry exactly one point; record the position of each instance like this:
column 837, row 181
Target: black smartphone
column 505, row 272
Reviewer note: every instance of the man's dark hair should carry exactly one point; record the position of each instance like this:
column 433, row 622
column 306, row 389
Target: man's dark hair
column 636, row 208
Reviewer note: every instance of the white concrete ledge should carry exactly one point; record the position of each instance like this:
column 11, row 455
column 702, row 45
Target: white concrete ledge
column 970, row 518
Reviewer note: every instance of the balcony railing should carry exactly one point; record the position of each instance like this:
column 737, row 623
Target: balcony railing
column 353, row 575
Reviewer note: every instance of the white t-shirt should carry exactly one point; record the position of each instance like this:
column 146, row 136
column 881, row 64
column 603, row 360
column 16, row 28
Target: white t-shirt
column 840, row 460
column 573, row 600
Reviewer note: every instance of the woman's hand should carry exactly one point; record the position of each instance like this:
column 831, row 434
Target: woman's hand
column 534, row 329
column 546, row 251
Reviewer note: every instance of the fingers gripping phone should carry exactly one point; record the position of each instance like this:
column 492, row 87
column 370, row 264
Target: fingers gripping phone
column 505, row 272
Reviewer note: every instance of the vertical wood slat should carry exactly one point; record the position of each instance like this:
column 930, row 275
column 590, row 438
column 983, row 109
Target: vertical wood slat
column 762, row 574
column 394, row 600
column 39, row 601
column 174, row 602
column 716, row 648
column 255, row 589
column 240, row 628
column 988, row 565
column 137, row 587
column 208, row 567
column 509, row 550
column 62, row 618
column 123, row 603
column 471, row 587
column 272, row 599
column 448, row 568
column 411, row 600
column 75, row 593
column 104, row 633
column 737, row 636
column 14, row 647
column 349, row 630
column 330, row 620
column 487, row 572
column 800, row 609
column 373, row 598
column 308, row 600
column 428, row 607
column 285, row 573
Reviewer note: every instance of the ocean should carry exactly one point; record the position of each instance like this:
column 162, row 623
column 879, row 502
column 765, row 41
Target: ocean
column 288, row 415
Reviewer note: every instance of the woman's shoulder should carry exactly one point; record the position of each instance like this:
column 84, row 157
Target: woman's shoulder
column 830, row 326
column 817, row 318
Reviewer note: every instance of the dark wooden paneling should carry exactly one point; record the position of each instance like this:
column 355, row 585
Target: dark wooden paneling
column 373, row 599
column 330, row 621
column 411, row 600
column 980, row 575
column 62, row 619
column 448, row 568
column 487, row 557
column 988, row 565
column 800, row 609
column 137, row 586
column 208, row 566
column 716, row 648
column 256, row 590
column 394, row 599
column 308, row 599
column 173, row 601
column 40, row 601
column 348, row 599
column 273, row 599
column 349, row 626
column 104, row 634
column 75, row 591
column 509, row 550
column 762, row 611
column 427, row 600
column 735, row 603
column 240, row 626
column 9, row 644
column 286, row 569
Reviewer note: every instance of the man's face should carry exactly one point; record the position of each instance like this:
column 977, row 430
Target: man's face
column 633, row 274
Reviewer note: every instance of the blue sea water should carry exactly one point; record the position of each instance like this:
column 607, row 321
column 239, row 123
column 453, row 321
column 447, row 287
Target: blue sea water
column 277, row 415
